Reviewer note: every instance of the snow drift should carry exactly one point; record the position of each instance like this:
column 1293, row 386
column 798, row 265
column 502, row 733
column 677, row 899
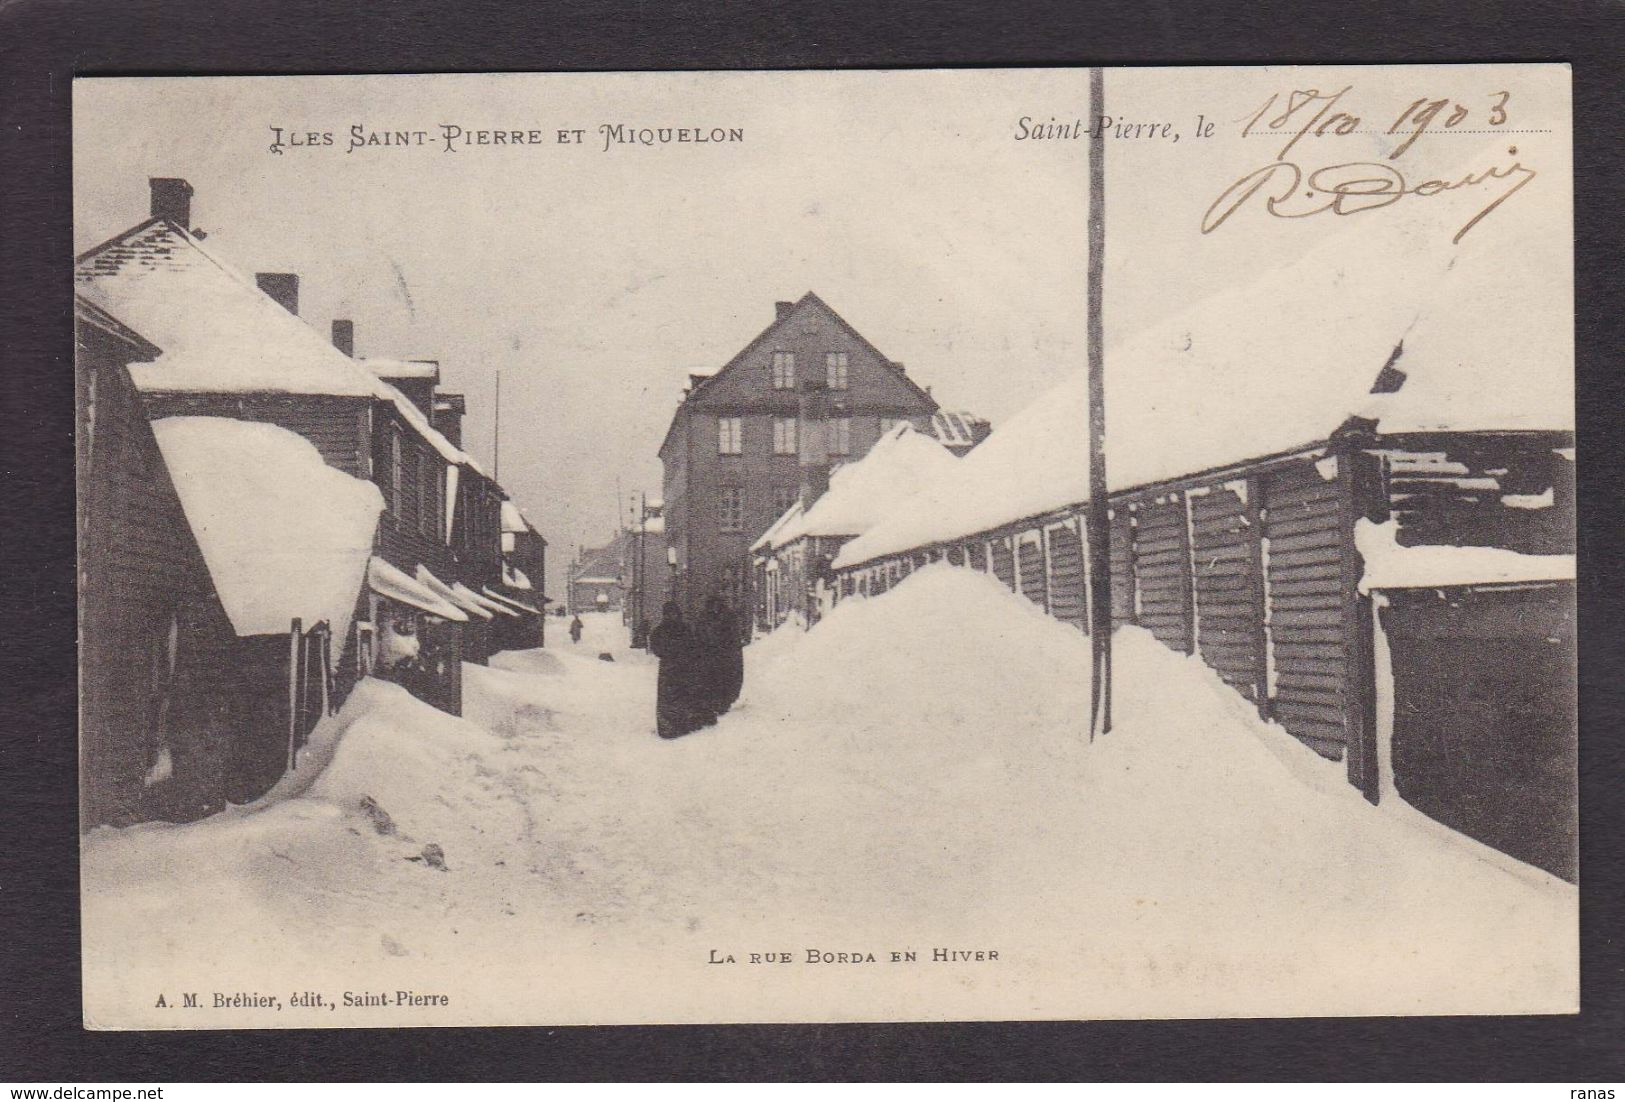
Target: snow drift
column 912, row 774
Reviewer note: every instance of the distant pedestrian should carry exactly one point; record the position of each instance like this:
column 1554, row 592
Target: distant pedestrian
column 575, row 630
column 724, row 659
column 681, row 705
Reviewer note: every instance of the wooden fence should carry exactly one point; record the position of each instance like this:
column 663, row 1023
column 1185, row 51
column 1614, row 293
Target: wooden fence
column 1252, row 568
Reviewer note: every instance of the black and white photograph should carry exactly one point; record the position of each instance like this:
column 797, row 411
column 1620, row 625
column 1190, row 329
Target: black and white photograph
column 931, row 545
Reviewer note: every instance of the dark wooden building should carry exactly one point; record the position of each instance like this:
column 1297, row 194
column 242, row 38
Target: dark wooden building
column 1361, row 591
column 235, row 347
column 201, row 676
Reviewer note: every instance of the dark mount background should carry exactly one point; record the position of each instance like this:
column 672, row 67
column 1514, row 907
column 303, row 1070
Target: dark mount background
column 43, row 43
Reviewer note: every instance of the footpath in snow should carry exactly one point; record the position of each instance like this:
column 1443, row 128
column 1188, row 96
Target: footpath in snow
column 911, row 775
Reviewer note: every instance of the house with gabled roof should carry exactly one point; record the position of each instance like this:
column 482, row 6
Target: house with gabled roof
column 806, row 394
column 218, row 560
column 234, row 346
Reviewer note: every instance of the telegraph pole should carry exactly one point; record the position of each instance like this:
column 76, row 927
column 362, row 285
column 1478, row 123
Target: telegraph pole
column 1099, row 518
column 496, row 433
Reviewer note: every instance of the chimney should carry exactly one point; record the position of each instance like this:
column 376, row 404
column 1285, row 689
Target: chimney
column 171, row 199
column 781, row 310
column 282, row 286
column 446, row 415
column 812, row 416
column 344, row 336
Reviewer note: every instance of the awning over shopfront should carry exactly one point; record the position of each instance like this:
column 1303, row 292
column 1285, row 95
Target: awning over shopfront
column 449, row 593
column 494, row 606
column 520, row 605
column 389, row 581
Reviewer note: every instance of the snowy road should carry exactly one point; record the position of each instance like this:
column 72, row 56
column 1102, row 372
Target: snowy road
column 910, row 776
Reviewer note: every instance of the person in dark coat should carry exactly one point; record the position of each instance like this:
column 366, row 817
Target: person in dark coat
column 724, row 655
column 681, row 704
column 575, row 630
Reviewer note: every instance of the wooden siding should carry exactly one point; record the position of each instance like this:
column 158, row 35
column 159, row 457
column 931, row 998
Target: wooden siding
column 1162, row 570
column 1030, row 557
column 1483, row 491
column 336, row 426
column 1308, row 586
column 1068, row 594
column 1230, row 614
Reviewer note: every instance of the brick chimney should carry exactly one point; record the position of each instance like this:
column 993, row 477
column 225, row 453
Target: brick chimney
column 282, row 286
column 344, row 336
column 781, row 310
column 171, row 199
column 812, row 415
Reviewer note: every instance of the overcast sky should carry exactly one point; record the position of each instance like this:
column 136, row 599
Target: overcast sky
column 593, row 279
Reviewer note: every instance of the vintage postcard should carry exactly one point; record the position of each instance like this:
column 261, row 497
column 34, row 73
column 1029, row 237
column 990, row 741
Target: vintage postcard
column 826, row 546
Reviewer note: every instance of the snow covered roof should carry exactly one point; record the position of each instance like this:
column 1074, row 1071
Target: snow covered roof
column 597, row 580
column 514, row 577
column 390, row 581
column 512, row 519
column 1279, row 364
column 283, row 534
column 654, row 526
column 860, row 494
column 220, row 333
column 1389, row 565
column 770, row 538
column 389, row 368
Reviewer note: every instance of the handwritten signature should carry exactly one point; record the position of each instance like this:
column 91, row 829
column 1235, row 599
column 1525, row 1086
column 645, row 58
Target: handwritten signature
column 1344, row 189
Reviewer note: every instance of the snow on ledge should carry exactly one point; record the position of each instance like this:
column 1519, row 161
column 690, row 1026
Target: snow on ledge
column 1391, row 566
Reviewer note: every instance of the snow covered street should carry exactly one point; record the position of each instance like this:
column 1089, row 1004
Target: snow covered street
column 912, row 775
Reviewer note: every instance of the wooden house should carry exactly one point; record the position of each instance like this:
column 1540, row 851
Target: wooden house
column 218, row 559
column 235, row 347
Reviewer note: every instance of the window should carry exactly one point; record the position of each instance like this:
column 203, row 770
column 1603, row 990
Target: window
column 426, row 495
column 783, row 498
column 835, row 370
column 784, row 371
column 840, row 437
column 730, row 438
column 397, row 473
column 784, row 436
column 732, row 513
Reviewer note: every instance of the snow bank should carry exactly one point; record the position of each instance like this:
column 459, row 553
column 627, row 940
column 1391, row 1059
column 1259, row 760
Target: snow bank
column 284, row 535
column 1388, row 565
column 912, row 773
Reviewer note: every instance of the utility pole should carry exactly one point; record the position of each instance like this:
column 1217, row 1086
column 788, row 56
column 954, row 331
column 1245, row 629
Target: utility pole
column 496, row 433
column 1099, row 518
